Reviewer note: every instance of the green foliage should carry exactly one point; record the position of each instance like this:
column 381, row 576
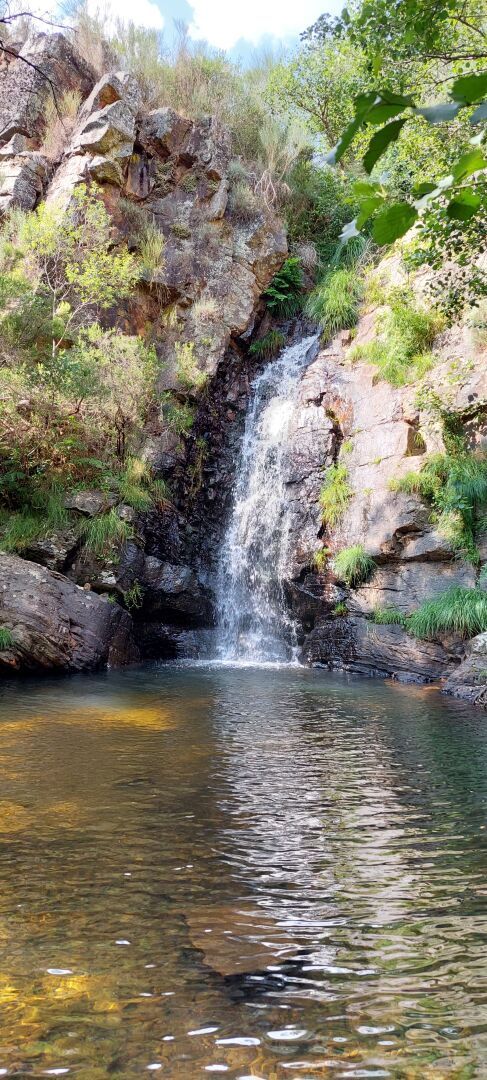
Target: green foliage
column 6, row 638
column 318, row 206
column 151, row 249
column 320, row 559
column 104, row 533
column 138, row 487
column 455, row 486
column 402, row 349
column 268, row 346
column 353, row 565
column 389, row 617
column 334, row 303
column 340, row 610
column 42, row 513
column 283, row 295
column 461, row 611
column 335, row 494
column 189, row 375
column 179, row 416
column 134, row 596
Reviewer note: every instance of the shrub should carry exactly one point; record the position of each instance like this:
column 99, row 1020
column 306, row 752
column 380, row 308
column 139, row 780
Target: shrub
column 455, row 485
column 268, row 346
column 353, row 565
column 402, row 349
column 335, row 301
column 283, row 295
column 6, row 638
column 151, row 249
column 101, row 534
column 335, row 494
column 189, row 375
column 459, row 610
column 43, row 512
column 243, row 204
column 179, row 416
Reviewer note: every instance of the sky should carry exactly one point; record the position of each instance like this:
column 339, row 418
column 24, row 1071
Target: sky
column 236, row 26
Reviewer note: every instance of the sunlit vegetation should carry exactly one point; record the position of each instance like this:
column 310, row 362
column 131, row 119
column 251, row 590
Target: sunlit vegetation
column 284, row 294
column 189, row 374
column 456, row 611
column 335, row 494
column 334, row 303
column 401, row 349
column 354, row 565
column 6, row 638
column 104, row 533
column 455, row 486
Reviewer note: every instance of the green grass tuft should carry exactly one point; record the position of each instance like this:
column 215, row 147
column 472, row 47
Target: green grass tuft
column 334, row 303
column 455, row 485
column 402, row 349
column 388, row 617
column 105, row 532
column 459, row 610
column 335, row 494
column 6, row 638
column 269, row 345
column 354, row 565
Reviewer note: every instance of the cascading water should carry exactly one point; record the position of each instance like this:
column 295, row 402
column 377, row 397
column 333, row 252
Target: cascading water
column 254, row 625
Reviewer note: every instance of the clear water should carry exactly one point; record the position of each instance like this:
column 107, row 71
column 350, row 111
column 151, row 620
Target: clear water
column 277, row 874
column 253, row 621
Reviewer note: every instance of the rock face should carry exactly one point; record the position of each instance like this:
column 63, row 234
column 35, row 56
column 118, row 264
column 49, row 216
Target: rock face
column 58, row 625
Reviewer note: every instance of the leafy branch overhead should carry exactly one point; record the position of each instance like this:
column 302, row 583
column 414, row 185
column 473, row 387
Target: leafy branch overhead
column 464, row 186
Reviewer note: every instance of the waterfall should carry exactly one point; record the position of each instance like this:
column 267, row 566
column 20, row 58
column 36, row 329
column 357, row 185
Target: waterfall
column 254, row 625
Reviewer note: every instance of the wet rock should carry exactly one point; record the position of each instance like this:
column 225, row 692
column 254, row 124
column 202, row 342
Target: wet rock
column 174, row 591
column 54, row 551
column 368, row 649
column 469, row 680
column 57, row 625
column 406, row 586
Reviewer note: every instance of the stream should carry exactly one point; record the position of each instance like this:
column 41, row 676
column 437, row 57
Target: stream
column 270, row 873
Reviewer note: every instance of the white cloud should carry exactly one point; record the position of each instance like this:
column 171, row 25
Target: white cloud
column 143, row 13
column 224, row 22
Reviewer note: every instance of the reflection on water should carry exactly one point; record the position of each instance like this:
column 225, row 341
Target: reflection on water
column 272, row 874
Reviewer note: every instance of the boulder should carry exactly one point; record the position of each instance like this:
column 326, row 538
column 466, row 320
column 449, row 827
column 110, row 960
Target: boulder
column 54, row 551
column 368, row 649
column 90, row 503
column 57, row 625
column 174, row 592
column 406, row 586
column 22, row 178
column 163, row 132
column 45, row 62
column 107, row 132
column 469, row 680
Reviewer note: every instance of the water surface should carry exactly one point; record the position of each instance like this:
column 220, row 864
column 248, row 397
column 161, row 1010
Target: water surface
column 276, row 873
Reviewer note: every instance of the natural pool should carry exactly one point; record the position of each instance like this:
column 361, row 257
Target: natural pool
column 272, row 873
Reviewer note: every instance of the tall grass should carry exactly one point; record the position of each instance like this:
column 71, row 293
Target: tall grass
column 455, row 485
column 335, row 494
column 268, row 346
column 6, row 638
column 459, row 610
column 103, row 533
column 401, row 350
column 334, row 303
column 354, row 565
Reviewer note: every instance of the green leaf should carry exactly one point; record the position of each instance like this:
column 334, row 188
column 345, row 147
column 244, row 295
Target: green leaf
column 380, row 141
column 464, row 205
column 380, row 113
column 365, row 189
column 363, row 102
column 438, row 114
column 367, row 208
column 423, row 189
column 470, row 88
column 393, row 222
column 471, row 162
column 389, row 98
column 479, row 114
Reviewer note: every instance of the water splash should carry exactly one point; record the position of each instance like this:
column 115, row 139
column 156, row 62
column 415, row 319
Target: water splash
column 254, row 625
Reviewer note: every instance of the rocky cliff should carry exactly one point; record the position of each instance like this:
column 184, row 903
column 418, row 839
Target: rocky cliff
column 218, row 259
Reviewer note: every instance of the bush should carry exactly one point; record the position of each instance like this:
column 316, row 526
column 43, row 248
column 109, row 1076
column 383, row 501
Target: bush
column 459, row 610
column 268, row 346
column 283, row 295
column 334, row 303
column 353, row 565
column 335, row 494
column 103, row 533
column 6, row 638
column 179, row 416
column 188, row 373
column 42, row 512
column 455, row 486
column 402, row 349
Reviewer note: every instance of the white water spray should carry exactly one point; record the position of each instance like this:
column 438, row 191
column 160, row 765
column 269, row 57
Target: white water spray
column 254, row 625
